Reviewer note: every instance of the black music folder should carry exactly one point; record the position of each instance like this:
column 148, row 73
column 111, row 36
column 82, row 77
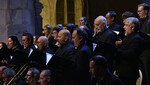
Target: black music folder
column 57, row 62
column 105, row 49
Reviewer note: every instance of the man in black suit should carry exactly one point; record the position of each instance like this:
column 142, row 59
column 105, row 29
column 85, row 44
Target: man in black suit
column 111, row 23
column 65, row 51
column 104, row 36
column 27, row 40
column 81, row 57
column 101, row 32
column 34, row 56
column 48, row 30
column 143, row 10
column 100, row 72
column 128, row 53
column 42, row 44
column 8, row 74
column 125, row 15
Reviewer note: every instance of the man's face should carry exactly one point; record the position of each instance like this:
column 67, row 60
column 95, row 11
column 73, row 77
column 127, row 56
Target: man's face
column 11, row 44
column 1, row 45
column 61, row 38
column 96, row 71
column 55, row 34
column 40, row 44
column 141, row 12
column 6, row 78
column 99, row 26
column 43, row 80
column 75, row 39
column 25, row 41
column 128, row 29
column 109, row 19
column 1, row 69
column 46, row 31
column 93, row 69
column 34, row 40
column 28, row 77
column 82, row 22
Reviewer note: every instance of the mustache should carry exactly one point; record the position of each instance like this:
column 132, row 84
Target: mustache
column 96, row 31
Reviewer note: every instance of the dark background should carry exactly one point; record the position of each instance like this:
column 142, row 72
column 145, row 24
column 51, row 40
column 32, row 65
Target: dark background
column 91, row 9
column 101, row 7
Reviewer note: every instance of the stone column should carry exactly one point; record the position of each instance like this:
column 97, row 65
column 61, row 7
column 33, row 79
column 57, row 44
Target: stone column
column 38, row 19
column 16, row 17
column 48, row 12
column 78, row 10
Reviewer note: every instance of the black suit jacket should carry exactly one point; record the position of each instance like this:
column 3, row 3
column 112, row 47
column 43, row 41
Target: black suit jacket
column 109, row 79
column 81, row 62
column 145, row 25
column 108, row 51
column 66, row 50
column 117, row 27
column 27, row 50
column 61, row 69
column 128, row 56
column 18, row 57
column 106, row 36
column 37, row 59
column 44, row 51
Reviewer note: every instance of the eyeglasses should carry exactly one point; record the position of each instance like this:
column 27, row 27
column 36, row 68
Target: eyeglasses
column 127, row 25
column 139, row 11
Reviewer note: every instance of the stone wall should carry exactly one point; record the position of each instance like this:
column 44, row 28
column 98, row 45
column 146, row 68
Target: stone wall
column 38, row 19
column 16, row 17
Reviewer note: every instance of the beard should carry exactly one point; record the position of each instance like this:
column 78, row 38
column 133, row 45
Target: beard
column 96, row 31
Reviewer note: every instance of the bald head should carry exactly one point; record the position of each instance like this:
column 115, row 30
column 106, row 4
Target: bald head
column 64, row 36
column 45, row 77
column 65, row 33
column 42, row 42
column 2, row 67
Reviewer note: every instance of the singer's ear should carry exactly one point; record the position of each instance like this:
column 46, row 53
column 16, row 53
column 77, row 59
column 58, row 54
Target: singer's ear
column 104, row 24
column 1, row 45
column 133, row 27
column 112, row 18
column 48, row 79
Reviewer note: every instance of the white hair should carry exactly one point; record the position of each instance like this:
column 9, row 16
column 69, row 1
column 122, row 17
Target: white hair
column 103, row 19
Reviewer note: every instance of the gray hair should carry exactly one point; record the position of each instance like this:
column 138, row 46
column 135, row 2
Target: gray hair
column 103, row 19
column 133, row 21
column 47, row 73
column 9, row 72
column 48, row 26
column 35, row 73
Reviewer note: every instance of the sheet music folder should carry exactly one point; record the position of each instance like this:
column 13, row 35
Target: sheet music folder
column 105, row 49
column 58, row 62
